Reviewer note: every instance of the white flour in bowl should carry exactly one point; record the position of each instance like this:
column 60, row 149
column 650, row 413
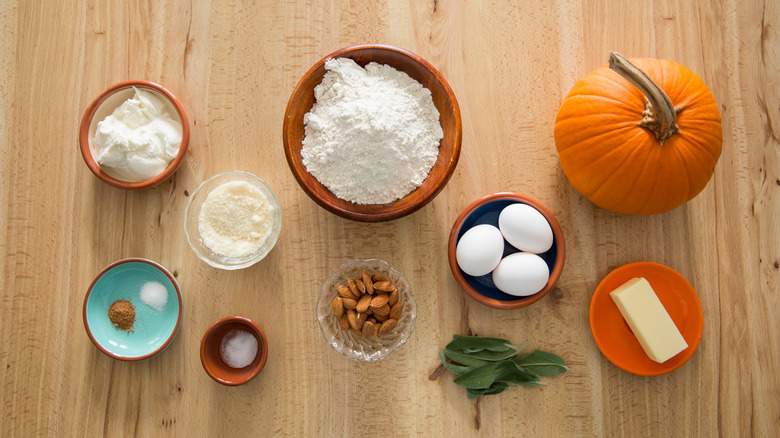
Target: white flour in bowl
column 372, row 135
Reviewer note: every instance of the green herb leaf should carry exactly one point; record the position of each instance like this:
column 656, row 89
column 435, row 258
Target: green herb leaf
column 480, row 377
column 484, row 376
column 522, row 347
column 463, row 359
column 457, row 369
column 477, row 342
column 542, row 363
column 510, row 372
column 495, row 388
column 488, row 365
column 532, row 383
column 494, row 356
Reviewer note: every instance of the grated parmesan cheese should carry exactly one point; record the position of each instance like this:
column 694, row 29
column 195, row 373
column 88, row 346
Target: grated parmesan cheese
column 235, row 219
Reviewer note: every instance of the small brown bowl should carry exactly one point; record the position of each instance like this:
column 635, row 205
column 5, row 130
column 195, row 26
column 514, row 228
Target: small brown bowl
column 485, row 210
column 104, row 105
column 302, row 100
column 211, row 358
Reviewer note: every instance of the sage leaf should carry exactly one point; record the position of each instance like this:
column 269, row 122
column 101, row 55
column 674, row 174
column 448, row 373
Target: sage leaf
column 532, row 383
column 495, row 388
column 474, row 393
column 542, row 363
column 494, row 356
column 511, row 372
column 457, row 369
column 477, row 342
column 484, row 376
column 522, row 347
column 480, row 377
column 463, row 359
column 488, row 366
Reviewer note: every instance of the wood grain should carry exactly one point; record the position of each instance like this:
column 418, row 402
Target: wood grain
column 233, row 64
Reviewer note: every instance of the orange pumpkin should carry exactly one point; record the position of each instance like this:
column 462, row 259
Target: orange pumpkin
column 639, row 138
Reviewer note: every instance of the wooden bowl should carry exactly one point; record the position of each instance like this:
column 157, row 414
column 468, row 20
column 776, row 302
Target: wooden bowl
column 302, row 100
column 485, row 210
column 103, row 105
column 211, row 359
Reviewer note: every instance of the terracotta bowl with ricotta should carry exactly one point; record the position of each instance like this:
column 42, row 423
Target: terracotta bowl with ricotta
column 302, row 100
column 103, row 106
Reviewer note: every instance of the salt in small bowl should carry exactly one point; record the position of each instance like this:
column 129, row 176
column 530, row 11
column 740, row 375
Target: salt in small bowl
column 211, row 358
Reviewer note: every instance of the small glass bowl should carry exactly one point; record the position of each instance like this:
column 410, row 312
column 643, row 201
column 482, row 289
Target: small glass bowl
column 192, row 212
column 347, row 343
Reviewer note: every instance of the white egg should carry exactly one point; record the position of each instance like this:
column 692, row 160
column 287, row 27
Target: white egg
column 521, row 274
column 525, row 228
column 479, row 250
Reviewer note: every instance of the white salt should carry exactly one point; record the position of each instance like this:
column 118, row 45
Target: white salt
column 154, row 294
column 238, row 348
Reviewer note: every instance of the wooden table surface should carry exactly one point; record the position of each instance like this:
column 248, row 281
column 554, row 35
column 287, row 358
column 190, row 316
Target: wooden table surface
column 234, row 64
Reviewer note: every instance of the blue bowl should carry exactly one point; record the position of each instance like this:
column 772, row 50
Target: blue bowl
column 486, row 211
column 153, row 329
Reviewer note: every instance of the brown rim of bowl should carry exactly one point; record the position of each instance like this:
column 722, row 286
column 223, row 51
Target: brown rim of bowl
column 87, row 120
column 559, row 259
column 178, row 318
column 263, row 344
column 300, row 173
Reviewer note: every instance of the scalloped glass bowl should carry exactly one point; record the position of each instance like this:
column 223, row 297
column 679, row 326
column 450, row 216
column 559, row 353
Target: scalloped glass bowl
column 192, row 212
column 347, row 343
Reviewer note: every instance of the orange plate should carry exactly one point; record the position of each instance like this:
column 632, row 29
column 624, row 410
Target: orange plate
column 616, row 340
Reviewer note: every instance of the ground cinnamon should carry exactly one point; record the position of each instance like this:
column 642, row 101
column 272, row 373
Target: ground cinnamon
column 122, row 315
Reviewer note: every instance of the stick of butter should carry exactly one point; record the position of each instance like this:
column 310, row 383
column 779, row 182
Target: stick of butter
column 648, row 319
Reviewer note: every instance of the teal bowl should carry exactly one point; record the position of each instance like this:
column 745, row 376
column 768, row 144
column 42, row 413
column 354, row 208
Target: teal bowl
column 153, row 329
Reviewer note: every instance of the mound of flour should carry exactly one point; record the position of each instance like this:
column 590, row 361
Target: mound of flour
column 372, row 135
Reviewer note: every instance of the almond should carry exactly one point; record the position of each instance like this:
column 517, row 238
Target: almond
column 395, row 311
column 363, row 304
column 384, row 286
column 344, row 292
column 367, row 295
column 387, row 326
column 369, row 284
column 338, row 307
column 349, row 303
column 352, row 319
column 368, row 329
column 353, row 287
column 393, row 297
column 382, row 311
column 361, row 319
column 379, row 300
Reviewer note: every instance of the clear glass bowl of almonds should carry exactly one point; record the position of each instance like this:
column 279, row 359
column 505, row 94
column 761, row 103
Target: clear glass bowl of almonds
column 366, row 310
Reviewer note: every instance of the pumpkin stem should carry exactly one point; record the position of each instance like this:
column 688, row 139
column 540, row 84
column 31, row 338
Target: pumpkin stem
column 659, row 115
